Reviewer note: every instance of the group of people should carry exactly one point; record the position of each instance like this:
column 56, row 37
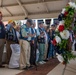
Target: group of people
column 34, row 45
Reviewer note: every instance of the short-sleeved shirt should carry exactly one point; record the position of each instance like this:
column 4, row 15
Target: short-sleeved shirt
column 24, row 31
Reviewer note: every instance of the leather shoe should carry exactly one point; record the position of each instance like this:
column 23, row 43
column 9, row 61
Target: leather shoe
column 2, row 66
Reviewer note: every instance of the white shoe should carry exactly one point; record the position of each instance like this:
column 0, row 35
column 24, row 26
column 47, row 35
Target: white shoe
column 43, row 62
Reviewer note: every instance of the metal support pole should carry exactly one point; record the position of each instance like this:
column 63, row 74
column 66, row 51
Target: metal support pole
column 64, row 69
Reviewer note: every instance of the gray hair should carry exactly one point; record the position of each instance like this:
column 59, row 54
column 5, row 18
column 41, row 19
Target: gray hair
column 30, row 21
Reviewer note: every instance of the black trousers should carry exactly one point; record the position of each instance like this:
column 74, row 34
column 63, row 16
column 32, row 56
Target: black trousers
column 33, row 52
column 75, row 46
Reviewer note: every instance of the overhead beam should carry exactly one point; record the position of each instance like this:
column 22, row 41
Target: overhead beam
column 30, row 3
column 45, row 5
column 38, row 1
column 8, row 11
column 1, row 3
column 24, row 10
column 33, row 16
column 37, row 16
column 44, row 15
column 71, row 0
column 37, row 13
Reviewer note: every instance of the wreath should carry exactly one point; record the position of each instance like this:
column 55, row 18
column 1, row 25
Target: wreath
column 66, row 17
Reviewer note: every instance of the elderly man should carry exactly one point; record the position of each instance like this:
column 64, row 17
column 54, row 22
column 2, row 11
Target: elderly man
column 33, row 44
column 2, row 39
column 25, row 38
column 41, row 41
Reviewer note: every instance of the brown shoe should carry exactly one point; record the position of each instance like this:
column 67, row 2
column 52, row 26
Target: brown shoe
column 2, row 66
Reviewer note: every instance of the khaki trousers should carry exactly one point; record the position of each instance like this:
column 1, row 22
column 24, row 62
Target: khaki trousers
column 2, row 41
column 24, row 54
column 46, row 50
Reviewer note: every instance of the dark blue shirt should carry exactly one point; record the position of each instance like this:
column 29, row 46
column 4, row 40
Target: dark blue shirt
column 41, row 39
column 2, row 31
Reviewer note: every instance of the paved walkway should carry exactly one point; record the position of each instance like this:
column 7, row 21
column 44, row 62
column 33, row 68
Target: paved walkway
column 70, row 69
column 50, row 68
column 6, row 71
column 42, row 69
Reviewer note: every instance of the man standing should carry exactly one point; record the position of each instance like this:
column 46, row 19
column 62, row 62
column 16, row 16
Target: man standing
column 33, row 44
column 41, row 41
column 25, row 38
column 2, row 39
column 51, row 52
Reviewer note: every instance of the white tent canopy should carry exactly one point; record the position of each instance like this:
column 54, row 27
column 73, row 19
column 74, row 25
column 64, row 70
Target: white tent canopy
column 19, row 9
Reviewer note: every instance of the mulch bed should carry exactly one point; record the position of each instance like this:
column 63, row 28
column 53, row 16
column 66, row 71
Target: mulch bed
column 41, row 69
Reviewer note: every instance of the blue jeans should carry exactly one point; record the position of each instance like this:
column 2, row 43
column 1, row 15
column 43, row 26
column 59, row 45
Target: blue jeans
column 51, row 51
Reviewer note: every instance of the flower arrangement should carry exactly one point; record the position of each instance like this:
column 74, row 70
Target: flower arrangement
column 62, row 33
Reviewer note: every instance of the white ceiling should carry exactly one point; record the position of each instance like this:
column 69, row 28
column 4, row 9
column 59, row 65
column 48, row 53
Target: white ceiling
column 19, row 9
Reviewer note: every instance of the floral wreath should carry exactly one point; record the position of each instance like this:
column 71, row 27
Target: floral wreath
column 62, row 35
